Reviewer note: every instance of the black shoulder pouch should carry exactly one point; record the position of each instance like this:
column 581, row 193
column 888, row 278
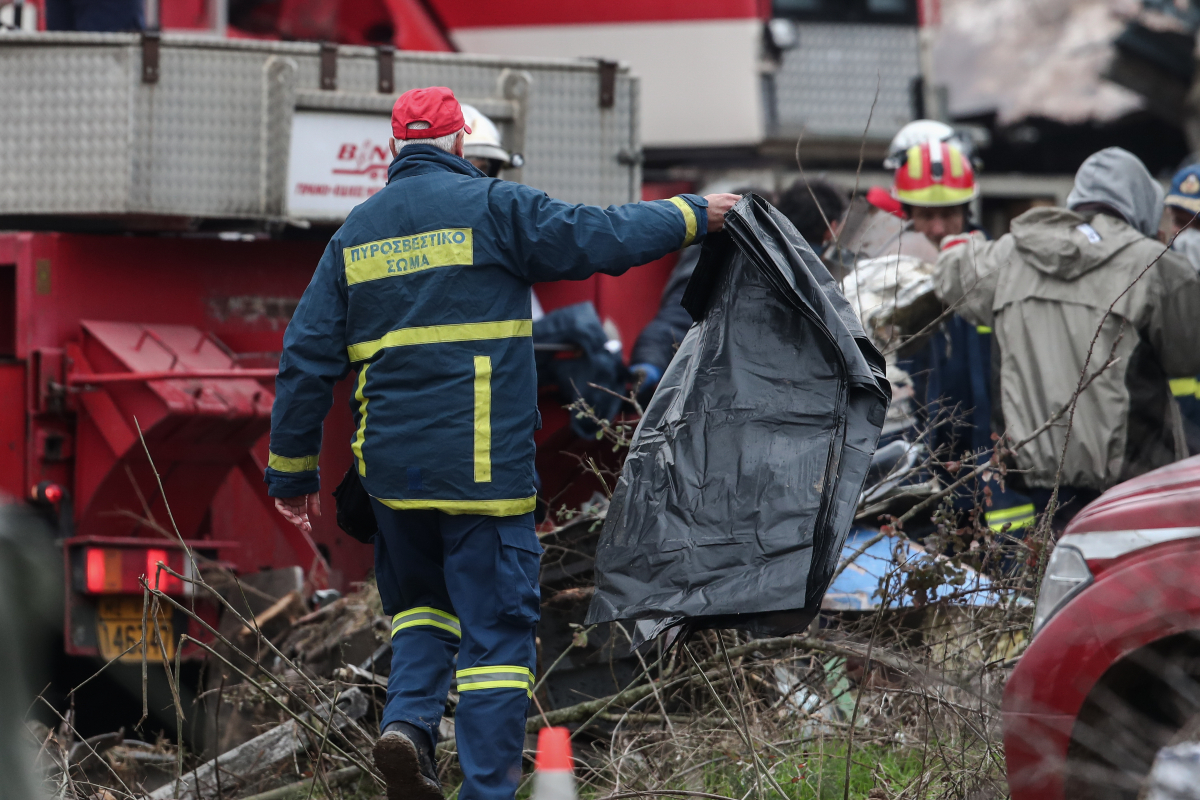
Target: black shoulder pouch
column 354, row 513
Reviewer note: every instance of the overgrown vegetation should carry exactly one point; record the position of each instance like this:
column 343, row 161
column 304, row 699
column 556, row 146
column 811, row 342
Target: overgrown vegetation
column 898, row 700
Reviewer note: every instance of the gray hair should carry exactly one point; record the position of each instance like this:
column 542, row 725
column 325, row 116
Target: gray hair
column 442, row 142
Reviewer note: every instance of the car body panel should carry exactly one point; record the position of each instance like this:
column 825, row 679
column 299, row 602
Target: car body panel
column 1142, row 597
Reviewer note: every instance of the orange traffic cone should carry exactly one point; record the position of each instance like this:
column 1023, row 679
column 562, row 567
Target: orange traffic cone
column 554, row 778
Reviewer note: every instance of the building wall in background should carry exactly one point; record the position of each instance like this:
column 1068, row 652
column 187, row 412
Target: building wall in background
column 699, row 79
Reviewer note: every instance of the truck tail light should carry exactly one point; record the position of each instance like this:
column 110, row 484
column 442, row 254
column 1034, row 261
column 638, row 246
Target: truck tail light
column 1067, row 574
column 117, row 570
column 154, row 576
column 103, row 570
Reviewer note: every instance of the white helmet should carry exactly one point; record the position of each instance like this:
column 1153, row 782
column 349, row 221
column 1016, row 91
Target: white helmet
column 484, row 139
column 917, row 133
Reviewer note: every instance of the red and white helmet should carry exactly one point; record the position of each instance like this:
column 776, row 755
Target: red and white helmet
column 935, row 174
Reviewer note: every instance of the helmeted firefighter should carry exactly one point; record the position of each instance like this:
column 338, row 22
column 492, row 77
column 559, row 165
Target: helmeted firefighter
column 919, row 132
column 926, row 215
column 935, row 184
column 425, row 291
column 483, row 146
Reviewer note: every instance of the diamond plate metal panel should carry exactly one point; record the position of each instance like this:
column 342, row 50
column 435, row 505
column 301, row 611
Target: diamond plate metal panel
column 82, row 134
column 827, row 83
column 65, row 130
column 201, row 145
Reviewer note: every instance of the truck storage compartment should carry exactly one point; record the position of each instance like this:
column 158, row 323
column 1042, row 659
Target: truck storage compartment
column 148, row 127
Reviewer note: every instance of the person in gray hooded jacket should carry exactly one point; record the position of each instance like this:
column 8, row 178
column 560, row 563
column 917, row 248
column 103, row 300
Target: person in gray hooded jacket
column 1083, row 291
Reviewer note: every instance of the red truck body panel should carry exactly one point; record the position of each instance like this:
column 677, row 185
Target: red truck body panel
column 141, row 305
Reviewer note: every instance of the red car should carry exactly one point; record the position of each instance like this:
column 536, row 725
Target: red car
column 1113, row 671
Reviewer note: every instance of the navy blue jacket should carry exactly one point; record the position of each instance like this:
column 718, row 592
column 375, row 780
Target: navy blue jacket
column 425, row 291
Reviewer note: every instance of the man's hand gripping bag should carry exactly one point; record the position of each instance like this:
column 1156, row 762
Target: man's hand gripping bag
column 744, row 475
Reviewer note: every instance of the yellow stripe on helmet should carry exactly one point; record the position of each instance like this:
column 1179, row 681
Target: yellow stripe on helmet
column 956, row 162
column 916, row 164
column 935, row 195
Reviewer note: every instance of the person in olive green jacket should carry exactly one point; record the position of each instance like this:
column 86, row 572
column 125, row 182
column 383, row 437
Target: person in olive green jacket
column 1046, row 289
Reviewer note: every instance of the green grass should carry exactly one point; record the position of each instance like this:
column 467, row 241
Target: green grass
column 800, row 773
column 812, row 774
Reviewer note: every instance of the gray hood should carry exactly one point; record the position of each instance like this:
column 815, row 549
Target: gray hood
column 1119, row 179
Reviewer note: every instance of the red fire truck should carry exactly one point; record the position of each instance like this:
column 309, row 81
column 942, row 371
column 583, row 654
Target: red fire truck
column 166, row 200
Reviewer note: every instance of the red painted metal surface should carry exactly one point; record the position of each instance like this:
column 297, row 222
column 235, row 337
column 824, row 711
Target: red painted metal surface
column 196, row 429
column 12, row 429
column 1144, row 597
column 485, row 14
column 1135, row 600
column 185, row 14
column 1165, row 498
column 153, row 305
column 406, row 24
column 8, row 310
column 97, row 378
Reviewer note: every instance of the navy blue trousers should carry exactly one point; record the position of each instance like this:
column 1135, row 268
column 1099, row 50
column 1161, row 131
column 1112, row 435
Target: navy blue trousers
column 462, row 592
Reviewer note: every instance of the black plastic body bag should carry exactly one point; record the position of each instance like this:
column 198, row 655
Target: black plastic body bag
column 744, row 474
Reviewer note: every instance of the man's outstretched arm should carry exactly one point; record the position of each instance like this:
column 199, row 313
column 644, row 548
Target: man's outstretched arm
column 314, row 359
column 549, row 240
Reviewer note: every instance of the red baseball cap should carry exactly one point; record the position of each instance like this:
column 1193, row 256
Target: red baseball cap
column 435, row 105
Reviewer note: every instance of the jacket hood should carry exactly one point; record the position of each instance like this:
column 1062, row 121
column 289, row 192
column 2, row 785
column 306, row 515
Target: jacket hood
column 1119, row 179
column 1066, row 244
column 421, row 159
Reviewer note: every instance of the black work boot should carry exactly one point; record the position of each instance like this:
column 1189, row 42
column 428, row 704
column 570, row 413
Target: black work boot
column 404, row 755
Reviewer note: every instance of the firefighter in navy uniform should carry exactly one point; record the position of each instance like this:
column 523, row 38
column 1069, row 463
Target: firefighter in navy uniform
column 425, row 291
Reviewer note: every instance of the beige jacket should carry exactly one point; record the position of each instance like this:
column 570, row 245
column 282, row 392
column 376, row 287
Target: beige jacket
column 1045, row 290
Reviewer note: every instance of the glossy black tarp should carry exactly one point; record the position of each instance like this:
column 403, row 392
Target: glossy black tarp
column 744, row 474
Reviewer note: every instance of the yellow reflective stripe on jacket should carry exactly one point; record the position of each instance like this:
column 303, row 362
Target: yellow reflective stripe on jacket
column 425, row 615
column 689, row 220
column 483, row 419
column 1185, row 387
column 405, row 255
column 502, row 677
column 1016, row 517
column 485, row 508
column 361, row 436
column 301, row 464
column 435, row 334
column 982, row 329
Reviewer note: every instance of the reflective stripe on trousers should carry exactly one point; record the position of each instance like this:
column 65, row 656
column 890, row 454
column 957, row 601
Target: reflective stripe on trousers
column 462, row 593
column 426, row 616
column 1016, row 517
column 503, row 677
